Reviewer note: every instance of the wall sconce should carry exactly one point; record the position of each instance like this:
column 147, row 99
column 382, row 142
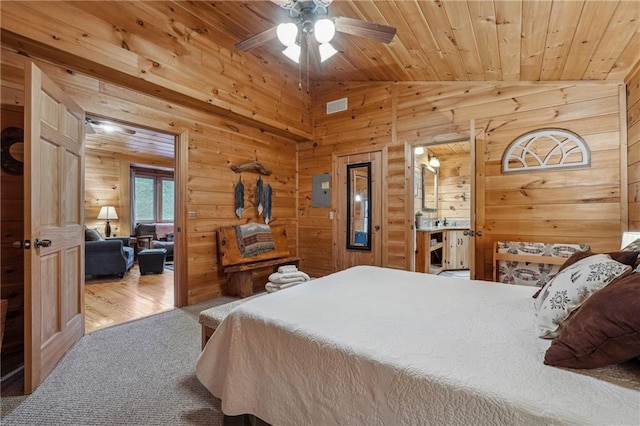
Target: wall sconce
column 434, row 162
column 107, row 212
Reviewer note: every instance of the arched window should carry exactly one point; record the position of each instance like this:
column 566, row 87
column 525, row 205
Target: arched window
column 546, row 149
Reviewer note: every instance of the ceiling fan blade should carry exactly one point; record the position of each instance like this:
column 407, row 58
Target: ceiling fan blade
column 257, row 39
column 366, row 29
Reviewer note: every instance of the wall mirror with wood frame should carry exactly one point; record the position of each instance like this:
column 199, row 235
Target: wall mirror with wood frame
column 359, row 206
column 429, row 188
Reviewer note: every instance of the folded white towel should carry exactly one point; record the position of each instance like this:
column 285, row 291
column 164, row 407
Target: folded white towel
column 287, row 268
column 273, row 287
column 289, row 277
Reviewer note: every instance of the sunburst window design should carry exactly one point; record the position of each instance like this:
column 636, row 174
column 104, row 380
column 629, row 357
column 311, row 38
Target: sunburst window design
column 546, row 149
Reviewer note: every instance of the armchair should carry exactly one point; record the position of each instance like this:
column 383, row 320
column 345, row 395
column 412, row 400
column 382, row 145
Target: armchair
column 155, row 236
column 112, row 256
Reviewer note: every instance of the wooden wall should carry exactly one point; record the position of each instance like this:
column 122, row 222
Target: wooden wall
column 581, row 205
column 215, row 143
column 633, row 150
column 12, row 259
column 166, row 49
column 454, row 187
column 107, row 181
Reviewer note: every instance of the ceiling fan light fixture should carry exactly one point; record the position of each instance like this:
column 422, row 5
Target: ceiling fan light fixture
column 287, row 33
column 326, row 51
column 293, row 52
column 324, row 30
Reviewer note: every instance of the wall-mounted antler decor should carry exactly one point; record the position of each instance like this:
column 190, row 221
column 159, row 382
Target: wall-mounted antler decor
column 251, row 167
column 546, row 149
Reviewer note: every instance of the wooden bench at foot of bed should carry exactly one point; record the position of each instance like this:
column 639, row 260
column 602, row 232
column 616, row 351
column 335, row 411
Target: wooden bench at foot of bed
column 239, row 269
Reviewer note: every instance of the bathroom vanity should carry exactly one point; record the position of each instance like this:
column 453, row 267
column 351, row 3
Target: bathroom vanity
column 441, row 248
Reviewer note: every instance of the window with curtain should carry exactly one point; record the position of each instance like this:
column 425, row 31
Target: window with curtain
column 152, row 195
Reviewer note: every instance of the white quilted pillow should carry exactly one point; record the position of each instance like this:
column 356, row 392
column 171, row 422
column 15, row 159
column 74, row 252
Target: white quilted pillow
column 571, row 287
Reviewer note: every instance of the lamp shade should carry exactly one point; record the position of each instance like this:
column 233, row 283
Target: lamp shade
column 293, row 52
column 107, row 212
column 326, row 51
column 287, row 33
column 324, row 30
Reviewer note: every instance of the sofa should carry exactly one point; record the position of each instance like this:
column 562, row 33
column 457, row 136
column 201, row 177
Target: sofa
column 157, row 235
column 111, row 256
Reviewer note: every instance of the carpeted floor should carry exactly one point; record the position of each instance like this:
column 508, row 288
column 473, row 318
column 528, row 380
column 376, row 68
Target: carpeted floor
column 138, row 373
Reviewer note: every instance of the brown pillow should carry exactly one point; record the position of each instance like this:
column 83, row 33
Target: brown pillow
column 605, row 330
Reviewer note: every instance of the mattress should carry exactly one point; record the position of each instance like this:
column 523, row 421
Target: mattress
column 374, row 346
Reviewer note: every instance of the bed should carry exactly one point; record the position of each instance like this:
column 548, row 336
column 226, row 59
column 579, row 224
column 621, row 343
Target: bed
column 374, row 346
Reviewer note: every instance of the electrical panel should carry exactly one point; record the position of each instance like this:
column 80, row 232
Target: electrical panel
column 321, row 191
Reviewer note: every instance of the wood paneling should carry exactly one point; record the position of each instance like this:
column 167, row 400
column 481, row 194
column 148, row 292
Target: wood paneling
column 633, row 149
column 12, row 259
column 536, row 206
column 108, row 162
column 175, row 50
column 436, row 41
column 215, row 143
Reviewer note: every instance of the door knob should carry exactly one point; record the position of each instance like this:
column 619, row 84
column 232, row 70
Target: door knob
column 42, row 243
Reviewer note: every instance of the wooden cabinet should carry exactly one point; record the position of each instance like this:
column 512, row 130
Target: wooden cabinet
column 456, row 250
column 442, row 249
column 429, row 251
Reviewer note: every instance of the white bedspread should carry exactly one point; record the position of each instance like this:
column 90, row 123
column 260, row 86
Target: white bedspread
column 371, row 346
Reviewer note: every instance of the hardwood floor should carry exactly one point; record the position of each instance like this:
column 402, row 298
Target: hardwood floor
column 111, row 300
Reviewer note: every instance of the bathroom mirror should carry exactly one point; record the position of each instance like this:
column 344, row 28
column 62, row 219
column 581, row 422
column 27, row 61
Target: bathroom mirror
column 429, row 189
column 359, row 206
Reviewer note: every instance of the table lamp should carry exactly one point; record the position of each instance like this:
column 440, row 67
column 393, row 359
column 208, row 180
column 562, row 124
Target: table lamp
column 107, row 212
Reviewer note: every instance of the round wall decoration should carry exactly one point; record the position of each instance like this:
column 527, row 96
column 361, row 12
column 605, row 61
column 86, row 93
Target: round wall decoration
column 12, row 150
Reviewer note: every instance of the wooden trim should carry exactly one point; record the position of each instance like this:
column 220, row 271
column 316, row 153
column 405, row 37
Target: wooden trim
column 180, row 255
column 509, row 257
column 472, row 191
column 624, row 167
column 384, row 171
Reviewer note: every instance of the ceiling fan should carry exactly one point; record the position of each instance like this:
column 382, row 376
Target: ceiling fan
column 91, row 124
column 311, row 17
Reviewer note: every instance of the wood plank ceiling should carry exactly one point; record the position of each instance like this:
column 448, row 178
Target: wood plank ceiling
column 111, row 136
column 454, row 40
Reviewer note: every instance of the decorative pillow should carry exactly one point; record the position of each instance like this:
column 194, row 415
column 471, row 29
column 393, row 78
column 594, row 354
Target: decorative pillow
column 628, row 257
column 92, row 235
column 632, row 246
column 254, row 239
column 571, row 287
column 604, row 331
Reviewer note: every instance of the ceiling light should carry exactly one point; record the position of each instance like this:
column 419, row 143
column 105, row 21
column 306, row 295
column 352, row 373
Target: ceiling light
column 326, row 51
column 434, row 162
column 293, row 52
column 324, row 30
column 419, row 150
column 287, row 33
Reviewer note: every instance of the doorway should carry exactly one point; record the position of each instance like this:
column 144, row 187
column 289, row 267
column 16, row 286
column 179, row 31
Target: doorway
column 357, row 228
column 129, row 169
column 443, row 207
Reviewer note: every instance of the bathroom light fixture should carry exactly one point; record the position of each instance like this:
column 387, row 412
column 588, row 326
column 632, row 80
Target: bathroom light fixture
column 434, row 162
